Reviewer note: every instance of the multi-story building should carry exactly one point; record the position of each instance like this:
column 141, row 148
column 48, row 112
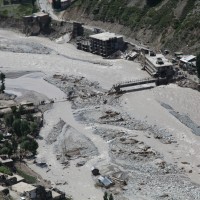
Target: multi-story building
column 106, row 43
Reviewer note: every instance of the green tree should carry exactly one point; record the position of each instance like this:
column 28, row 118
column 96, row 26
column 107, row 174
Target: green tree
column 20, row 109
column 4, row 150
column 9, row 119
column 17, row 127
column 198, row 65
column 105, row 197
column 2, row 87
column 24, row 127
column 14, row 144
column 33, row 127
column 29, row 117
column 111, row 197
column 29, row 145
column 2, row 78
column 1, row 136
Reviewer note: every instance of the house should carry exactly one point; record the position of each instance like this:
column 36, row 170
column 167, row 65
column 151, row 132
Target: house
column 6, row 161
column 57, row 196
column 188, row 61
column 178, row 55
column 4, row 190
column 17, row 178
column 105, row 181
column 157, row 65
column 2, row 179
column 25, row 189
column 4, row 111
column 106, row 43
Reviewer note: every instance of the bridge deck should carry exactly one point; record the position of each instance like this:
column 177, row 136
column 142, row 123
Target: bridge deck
column 134, row 83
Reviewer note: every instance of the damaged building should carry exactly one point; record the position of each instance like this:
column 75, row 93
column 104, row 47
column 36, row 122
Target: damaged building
column 103, row 44
column 157, row 65
column 106, row 43
column 36, row 23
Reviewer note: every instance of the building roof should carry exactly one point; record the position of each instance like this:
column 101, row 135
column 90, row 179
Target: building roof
column 7, row 160
column 40, row 14
column 153, row 60
column 19, row 178
column 23, row 187
column 105, row 36
column 105, row 181
column 69, row 1
column 55, row 194
column 187, row 58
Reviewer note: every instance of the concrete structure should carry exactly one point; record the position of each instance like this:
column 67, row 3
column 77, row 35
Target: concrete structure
column 157, row 65
column 106, row 43
column 77, row 29
column 25, row 190
column 35, row 23
column 188, row 61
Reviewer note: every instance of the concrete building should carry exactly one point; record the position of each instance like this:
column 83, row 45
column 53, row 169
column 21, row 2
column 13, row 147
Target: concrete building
column 106, row 43
column 77, row 30
column 25, row 189
column 36, row 23
column 157, row 65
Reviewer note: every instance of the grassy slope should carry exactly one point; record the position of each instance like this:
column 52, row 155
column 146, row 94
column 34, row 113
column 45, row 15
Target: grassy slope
column 158, row 24
column 15, row 10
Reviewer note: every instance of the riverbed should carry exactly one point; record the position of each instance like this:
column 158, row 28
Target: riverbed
column 145, row 106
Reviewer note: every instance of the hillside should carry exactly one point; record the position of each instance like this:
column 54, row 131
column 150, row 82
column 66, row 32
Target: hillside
column 173, row 24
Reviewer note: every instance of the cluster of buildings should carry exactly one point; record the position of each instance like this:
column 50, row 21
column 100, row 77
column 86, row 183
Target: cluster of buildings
column 27, row 191
column 27, row 107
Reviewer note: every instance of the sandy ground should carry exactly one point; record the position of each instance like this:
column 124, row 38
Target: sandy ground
column 143, row 105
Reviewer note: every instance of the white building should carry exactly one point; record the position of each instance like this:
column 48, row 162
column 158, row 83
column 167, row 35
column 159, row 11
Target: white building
column 25, row 189
column 157, row 65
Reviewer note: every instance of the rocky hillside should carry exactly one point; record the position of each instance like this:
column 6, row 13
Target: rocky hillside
column 173, row 24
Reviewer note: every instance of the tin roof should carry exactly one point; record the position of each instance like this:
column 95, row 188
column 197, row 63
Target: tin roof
column 187, row 58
